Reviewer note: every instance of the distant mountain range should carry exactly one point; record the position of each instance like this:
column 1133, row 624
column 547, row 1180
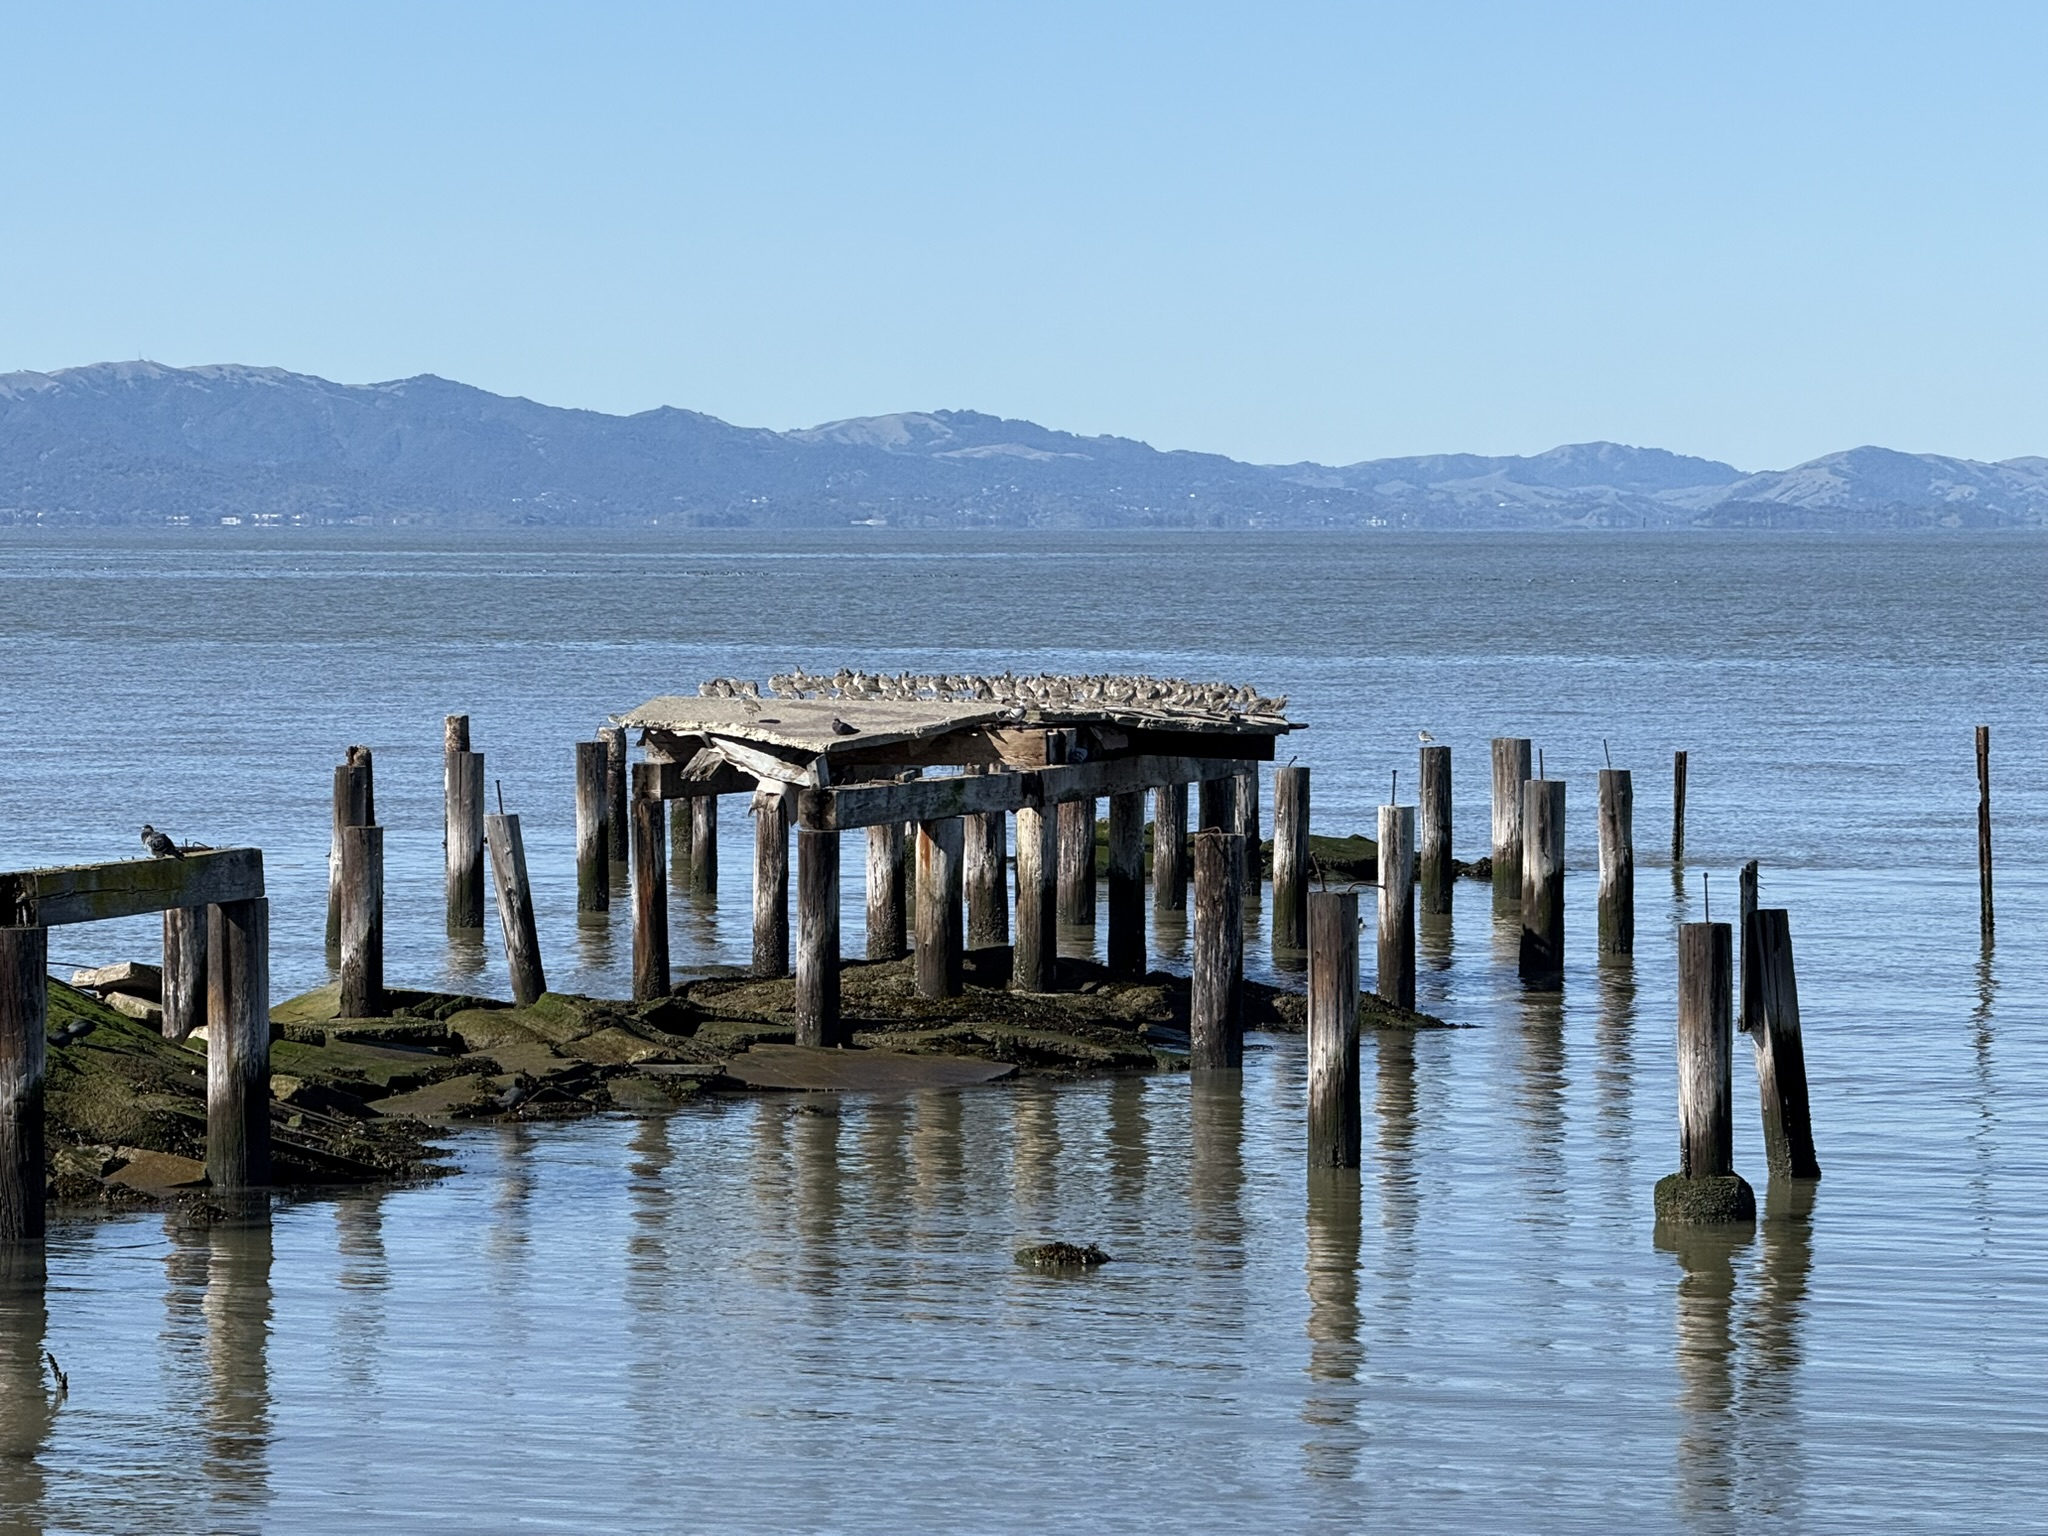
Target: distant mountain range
column 141, row 443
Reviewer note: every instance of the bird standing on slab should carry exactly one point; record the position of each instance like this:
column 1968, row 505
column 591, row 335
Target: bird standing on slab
column 1424, row 737
column 159, row 846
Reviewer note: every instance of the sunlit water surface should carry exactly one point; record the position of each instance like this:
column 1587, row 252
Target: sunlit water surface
column 775, row 1314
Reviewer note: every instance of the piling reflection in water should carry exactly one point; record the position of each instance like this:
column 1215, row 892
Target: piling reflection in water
column 1394, row 1144
column 1539, row 1093
column 935, row 1152
column 1707, row 1449
column 1336, row 1357
column 361, row 1281
column 1130, row 1133
column 1614, row 1072
column 1034, row 1153
column 816, row 1195
column 1772, row 1342
column 236, row 1305
column 28, row 1388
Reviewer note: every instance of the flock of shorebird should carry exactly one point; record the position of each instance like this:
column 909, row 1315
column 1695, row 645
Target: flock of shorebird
column 1096, row 691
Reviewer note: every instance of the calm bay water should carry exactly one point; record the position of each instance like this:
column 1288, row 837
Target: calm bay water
column 778, row 1315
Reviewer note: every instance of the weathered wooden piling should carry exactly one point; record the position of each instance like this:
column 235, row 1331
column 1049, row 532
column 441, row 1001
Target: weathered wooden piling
column 1290, row 859
column 1170, row 848
column 1216, row 1002
column 593, row 836
column 1333, row 1109
column 772, row 807
column 1747, row 1008
column 1035, row 967
column 462, row 795
column 1706, row 1189
column 1780, row 1049
column 1397, row 906
column 362, row 923
column 1678, row 808
column 1247, row 807
column 704, row 846
column 1216, row 805
column 1077, row 862
column 1127, row 884
column 1542, row 952
column 238, row 1045
column 24, row 1025
column 1617, row 862
column 650, row 892
column 941, row 933
column 353, row 807
column 1511, row 763
column 184, row 971
column 1985, row 920
column 515, row 908
column 817, row 937
column 616, row 814
column 888, row 926
column 1437, row 867
column 985, row 864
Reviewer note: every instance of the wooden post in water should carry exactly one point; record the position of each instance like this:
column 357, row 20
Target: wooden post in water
column 1036, row 967
column 1247, row 805
column 1747, row 1008
column 352, row 796
column 1290, row 859
column 362, row 923
column 1678, row 808
column 1216, row 805
column 1438, row 868
column 515, row 908
column 24, row 1027
column 593, row 837
column 462, row 822
column 618, row 846
column 1985, row 922
column 1127, row 884
column 817, row 937
column 704, row 846
column 1216, row 1002
column 1706, row 1188
column 184, row 971
column 1170, row 848
column 940, row 924
column 887, row 924
column 772, row 806
column 1780, row 1050
column 985, row 839
column 1511, row 763
column 1617, row 862
column 1333, row 1115
column 1542, row 955
column 1397, row 906
column 650, row 890
column 1077, row 862
column 238, row 1045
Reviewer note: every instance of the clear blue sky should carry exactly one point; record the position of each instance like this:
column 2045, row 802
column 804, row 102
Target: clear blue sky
column 1757, row 232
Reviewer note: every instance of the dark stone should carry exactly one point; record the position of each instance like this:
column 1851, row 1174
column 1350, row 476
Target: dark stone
column 1709, row 1201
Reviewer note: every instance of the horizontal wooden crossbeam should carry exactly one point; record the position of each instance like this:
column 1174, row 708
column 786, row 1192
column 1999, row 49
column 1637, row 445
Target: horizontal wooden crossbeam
column 85, row 893
column 871, row 805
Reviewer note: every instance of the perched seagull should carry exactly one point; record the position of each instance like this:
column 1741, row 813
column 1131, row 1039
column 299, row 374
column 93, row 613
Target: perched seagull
column 1424, row 737
column 841, row 728
column 159, row 846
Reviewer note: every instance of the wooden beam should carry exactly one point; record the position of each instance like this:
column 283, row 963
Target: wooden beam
column 85, row 893
column 866, row 805
column 674, row 781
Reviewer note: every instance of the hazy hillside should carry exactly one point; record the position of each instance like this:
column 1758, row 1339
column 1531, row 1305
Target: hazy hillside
column 142, row 443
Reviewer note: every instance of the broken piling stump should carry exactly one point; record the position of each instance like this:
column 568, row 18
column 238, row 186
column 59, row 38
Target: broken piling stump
column 1617, row 863
column 1216, row 1006
column 1397, row 906
column 1333, row 1098
column 1511, row 763
column 1706, row 1190
column 1542, row 948
column 515, row 908
column 1436, row 866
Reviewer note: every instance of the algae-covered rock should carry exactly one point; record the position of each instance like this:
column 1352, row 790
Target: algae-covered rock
column 1709, row 1200
column 1061, row 1256
column 116, row 1090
